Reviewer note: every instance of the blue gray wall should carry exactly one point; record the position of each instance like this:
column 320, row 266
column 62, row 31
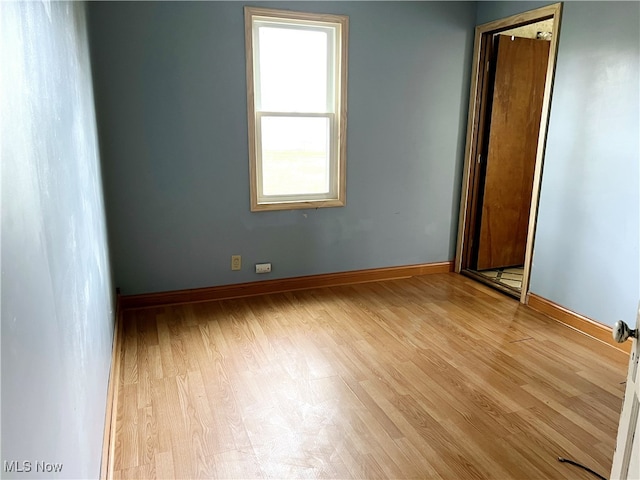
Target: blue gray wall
column 57, row 314
column 494, row 10
column 171, row 102
column 587, row 239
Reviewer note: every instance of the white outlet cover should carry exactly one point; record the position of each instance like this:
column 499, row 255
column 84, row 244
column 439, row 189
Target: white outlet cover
column 263, row 267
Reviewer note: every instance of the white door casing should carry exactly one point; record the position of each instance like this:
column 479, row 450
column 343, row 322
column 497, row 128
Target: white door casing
column 626, row 465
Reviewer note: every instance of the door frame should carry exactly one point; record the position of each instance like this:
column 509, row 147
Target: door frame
column 629, row 413
column 483, row 35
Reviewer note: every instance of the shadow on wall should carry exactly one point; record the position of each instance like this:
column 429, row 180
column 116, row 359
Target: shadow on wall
column 57, row 306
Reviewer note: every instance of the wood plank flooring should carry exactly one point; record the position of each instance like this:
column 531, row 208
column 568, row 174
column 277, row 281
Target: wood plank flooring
column 434, row 376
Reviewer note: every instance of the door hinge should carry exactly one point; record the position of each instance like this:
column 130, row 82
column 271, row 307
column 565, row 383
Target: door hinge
column 479, row 158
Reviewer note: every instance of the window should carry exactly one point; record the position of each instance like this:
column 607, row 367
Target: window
column 296, row 94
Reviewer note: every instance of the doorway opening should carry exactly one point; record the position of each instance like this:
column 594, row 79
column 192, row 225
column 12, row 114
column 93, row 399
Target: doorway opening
column 513, row 66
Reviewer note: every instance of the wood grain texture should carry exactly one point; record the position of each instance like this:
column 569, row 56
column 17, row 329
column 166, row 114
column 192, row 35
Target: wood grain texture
column 579, row 322
column 520, row 19
column 433, row 376
column 521, row 68
column 108, row 442
column 482, row 34
column 281, row 285
column 251, row 108
column 556, row 11
column 478, row 168
column 474, row 126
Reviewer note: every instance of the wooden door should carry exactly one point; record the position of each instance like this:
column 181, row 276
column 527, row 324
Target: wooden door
column 520, row 72
column 626, row 461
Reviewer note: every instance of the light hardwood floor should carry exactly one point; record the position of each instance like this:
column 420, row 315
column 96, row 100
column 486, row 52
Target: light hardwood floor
column 429, row 377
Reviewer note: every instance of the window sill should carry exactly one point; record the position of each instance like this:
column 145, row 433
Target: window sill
column 296, row 205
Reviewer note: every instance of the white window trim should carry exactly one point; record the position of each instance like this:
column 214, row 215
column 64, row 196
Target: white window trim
column 337, row 195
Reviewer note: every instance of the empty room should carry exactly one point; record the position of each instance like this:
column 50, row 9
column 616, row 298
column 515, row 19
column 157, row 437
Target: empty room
column 319, row 239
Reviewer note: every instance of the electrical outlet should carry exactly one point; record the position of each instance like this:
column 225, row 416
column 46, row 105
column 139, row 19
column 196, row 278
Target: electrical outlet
column 236, row 262
column 263, row 268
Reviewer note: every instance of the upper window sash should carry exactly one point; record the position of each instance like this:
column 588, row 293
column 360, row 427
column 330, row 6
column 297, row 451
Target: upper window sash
column 280, row 26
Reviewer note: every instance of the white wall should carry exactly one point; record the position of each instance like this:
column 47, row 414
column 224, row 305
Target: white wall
column 56, row 302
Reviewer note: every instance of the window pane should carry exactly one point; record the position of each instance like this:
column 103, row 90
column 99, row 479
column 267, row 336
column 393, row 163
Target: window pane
column 293, row 70
column 295, row 155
